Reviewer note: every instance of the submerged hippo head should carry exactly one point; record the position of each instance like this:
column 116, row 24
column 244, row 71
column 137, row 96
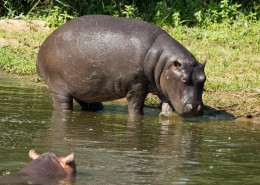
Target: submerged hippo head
column 46, row 168
column 50, row 165
column 182, row 83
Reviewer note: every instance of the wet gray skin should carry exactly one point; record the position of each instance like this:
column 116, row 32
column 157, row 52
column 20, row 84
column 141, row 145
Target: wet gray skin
column 93, row 59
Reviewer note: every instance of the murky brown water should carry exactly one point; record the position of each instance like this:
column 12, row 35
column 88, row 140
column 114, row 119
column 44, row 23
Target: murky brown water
column 111, row 150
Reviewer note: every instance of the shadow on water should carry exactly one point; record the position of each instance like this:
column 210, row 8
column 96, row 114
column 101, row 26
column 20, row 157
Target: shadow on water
column 212, row 114
column 109, row 149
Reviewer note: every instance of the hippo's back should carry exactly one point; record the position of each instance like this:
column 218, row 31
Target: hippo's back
column 100, row 35
column 96, row 51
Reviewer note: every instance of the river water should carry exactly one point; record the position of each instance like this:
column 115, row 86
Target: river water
column 109, row 149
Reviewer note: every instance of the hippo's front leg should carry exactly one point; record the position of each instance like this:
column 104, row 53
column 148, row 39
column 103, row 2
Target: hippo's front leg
column 166, row 108
column 62, row 102
column 136, row 97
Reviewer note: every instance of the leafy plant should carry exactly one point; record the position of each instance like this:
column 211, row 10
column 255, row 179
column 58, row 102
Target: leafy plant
column 57, row 17
column 176, row 19
column 162, row 13
column 130, row 11
column 10, row 10
column 225, row 13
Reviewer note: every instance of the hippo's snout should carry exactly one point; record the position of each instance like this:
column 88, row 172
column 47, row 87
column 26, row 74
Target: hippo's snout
column 192, row 110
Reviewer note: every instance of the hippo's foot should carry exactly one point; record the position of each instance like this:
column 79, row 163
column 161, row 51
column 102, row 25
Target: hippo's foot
column 62, row 102
column 166, row 110
column 98, row 106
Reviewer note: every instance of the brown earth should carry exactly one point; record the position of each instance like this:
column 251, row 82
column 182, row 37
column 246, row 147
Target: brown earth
column 20, row 27
column 244, row 106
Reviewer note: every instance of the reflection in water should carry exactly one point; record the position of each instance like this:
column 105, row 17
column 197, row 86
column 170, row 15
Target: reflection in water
column 109, row 149
column 147, row 151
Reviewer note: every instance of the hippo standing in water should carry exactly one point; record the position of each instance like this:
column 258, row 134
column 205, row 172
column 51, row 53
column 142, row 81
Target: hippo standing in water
column 46, row 168
column 101, row 58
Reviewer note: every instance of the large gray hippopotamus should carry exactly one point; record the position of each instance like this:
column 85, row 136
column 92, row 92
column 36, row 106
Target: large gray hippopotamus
column 99, row 58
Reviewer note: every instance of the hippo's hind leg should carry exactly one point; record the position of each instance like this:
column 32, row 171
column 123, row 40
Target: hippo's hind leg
column 98, row 106
column 62, row 102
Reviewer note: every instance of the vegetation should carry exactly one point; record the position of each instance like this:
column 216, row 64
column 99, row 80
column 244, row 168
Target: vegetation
column 225, row 32
column 19, row 43
column 159, row 11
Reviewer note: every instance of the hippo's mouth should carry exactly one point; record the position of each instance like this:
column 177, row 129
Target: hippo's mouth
column 191, row 110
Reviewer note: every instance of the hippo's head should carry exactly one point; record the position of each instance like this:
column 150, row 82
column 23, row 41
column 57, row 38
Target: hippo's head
column 50, row 165
column 182, row 83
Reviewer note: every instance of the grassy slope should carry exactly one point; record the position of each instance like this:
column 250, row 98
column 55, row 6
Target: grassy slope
column 19, row 44
column 232, row 53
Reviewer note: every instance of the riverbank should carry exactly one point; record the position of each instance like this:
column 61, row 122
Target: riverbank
column 232, row 53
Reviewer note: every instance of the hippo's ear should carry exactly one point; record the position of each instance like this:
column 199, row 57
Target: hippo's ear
column 33, row 155
column 66, row 160
column 204, row 63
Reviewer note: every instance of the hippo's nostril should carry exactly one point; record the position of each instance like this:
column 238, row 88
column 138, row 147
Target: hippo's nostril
column 188, row 107
column 184, row 79
column 192, row 110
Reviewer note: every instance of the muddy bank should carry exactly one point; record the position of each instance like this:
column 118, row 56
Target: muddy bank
column 244, row 106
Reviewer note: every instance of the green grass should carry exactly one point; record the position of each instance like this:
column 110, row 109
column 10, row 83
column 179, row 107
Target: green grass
column 16, row 59
column 19, row 54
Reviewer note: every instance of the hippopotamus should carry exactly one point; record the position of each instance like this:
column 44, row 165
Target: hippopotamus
column 98, row 58
column 46, row 168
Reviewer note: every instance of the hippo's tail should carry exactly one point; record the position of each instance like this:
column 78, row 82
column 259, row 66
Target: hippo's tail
column 40, row 63
column 38, row 68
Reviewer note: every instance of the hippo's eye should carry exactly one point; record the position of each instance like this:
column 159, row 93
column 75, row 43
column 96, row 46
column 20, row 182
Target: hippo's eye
column 176, row 64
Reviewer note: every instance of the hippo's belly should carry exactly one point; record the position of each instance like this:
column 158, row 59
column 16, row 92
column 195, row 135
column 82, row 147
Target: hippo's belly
column 96, row 88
